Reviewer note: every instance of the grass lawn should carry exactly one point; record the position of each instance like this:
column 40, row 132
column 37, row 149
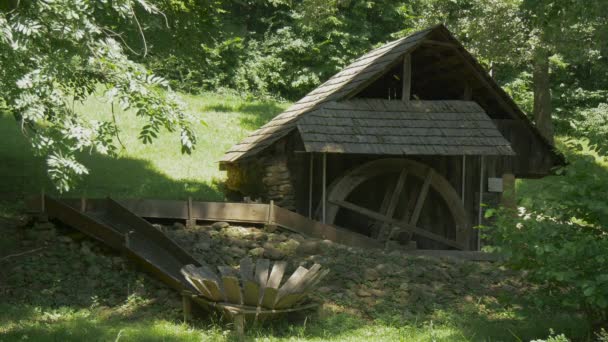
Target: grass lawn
column 157, row 170
column 64, row 302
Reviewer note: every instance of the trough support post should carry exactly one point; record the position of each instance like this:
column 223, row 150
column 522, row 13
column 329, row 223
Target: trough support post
column 324, row 194
column 187, row 307
column 407, row 78
column 310, row 186
column 239, row 326
column 83, row 204
column 190, row 222
column 480, row 213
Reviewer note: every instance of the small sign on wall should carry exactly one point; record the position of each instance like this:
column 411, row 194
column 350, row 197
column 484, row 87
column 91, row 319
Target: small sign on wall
column 494, row 184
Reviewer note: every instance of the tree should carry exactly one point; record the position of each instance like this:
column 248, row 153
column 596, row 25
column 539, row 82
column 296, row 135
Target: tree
column 56, row 52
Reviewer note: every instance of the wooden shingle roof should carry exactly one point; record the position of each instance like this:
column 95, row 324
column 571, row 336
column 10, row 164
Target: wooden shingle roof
column 376, row 126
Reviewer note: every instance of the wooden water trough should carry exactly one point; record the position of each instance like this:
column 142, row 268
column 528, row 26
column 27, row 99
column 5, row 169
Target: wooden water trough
column 254, row 292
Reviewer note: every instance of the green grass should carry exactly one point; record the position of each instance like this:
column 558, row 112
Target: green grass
column 156, row 170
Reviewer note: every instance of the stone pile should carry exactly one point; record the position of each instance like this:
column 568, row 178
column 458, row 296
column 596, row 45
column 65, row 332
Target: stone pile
column 366, row 280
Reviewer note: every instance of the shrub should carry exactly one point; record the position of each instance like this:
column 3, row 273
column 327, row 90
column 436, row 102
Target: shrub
column 560, row 234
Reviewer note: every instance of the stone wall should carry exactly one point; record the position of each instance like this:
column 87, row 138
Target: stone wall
column 267, row 178
column 278, row 181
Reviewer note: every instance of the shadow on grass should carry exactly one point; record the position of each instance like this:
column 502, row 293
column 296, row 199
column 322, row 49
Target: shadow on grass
column 257, row 113
column 23, row 174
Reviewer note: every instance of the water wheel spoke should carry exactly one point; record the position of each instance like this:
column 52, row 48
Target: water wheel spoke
column 392, row 204
column 392, row 199
column 421, row 198
column 397, row 223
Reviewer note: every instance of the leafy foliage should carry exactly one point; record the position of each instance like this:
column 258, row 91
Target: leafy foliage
column 54, row 53
column 560, row 234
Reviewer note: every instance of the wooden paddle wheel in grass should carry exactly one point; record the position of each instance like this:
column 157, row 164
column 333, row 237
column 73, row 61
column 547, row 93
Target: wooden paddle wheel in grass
column 254, row 292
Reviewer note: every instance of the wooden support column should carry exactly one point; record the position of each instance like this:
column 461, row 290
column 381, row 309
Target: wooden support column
column 310, row 175
column 480, row 214
column 190, row 222
column 407, row 78
column 508, row 198
column 324, row 192
column 468, row 92
column 464, row 174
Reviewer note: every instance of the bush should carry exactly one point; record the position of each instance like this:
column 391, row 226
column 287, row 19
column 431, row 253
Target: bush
column 560, row 234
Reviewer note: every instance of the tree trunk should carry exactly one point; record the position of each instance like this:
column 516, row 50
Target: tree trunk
column 542, row 94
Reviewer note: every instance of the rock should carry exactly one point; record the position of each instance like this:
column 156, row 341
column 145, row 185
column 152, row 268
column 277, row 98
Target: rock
column 297, row 237
column 43, row 226
column 214, row 234
column 363, row 293
column 237, row 252
column 236, row 232
column 178, row 226
column 277, row 237
column 371, row 274
column 377, row 292
column 324, row 289
column 468, row 299
column 257, row 252
column 94, row 270
column 273, row 253
column 308, row 248
column 220, row 225
column 289, row 246
column 64, row 239
column 326, row 243
column 259, row 236
column 270, row 228
column 202, row 246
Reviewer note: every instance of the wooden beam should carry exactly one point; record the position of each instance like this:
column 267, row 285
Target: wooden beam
column 310, row 175
column 468, row 92
column 480, row 217
column 403, row 225
column 463, row 180
column 407, row 78
column 392, row 204
column 324, row 193
column 439, row 43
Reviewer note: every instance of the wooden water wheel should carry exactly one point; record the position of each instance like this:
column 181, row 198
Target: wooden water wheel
column 405, row 188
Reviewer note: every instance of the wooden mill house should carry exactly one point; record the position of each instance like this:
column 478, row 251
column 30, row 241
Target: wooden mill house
column 404, row 143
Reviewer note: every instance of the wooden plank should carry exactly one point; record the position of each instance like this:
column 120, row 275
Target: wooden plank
column 421, row 198
column 269, row 297
column 407, row 78
column 307, row 278
column 215, row 291
column 251, row 293
column 246, row 269
column 276, row 275
column 292, row 283
column 439, row 43
column 261, row 276
column 299, row 224
column 403, row 225
column 232, row 289
column 190, row 274
column 274, row 280
column 288, row 300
